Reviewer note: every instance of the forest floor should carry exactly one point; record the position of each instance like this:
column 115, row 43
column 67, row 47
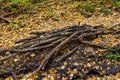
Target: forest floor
column 50, row 16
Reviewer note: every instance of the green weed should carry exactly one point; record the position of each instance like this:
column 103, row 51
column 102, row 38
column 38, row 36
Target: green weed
column 21, row 16
column 111, row 55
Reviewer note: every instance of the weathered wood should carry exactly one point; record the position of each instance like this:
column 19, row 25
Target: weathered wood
column 66, row 55
column 6, row 20
column 31, row 49
column 43, row 64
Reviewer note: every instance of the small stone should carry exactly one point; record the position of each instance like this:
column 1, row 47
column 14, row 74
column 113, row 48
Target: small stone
column 69, row 58
column 15, row 60
column 98, row 79
column 65, row 63
column 76, row 64
column 75, row 70
column 41, row 36
column 48, row 76
column 88, row 64
column 32, row 55
column 62, row 67
column 78, row 51
column 71, row 76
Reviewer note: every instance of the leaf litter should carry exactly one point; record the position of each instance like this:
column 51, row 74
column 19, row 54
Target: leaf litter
column 65, row 69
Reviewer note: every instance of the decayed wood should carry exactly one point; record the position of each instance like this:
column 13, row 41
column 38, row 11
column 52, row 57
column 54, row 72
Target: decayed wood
column 28, row 38
column 43, row 64
column 66, row 55
column 6, row 20
column 53, row 40
column 114, row 25
column 116, row 32
column 25, row 50
column 81, row 37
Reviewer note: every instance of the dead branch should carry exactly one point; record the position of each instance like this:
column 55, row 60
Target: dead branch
column 66, row 55
column 6, row 20
column 47, row 46
column 43, row 64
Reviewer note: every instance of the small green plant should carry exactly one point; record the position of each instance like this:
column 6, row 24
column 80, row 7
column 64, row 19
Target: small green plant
column 90, row 7
column 25, row 2
column 36, row 1
column 63, row 13
column 16, row 5
column 116, row 2
column 21, row 16
column 88, row 10
column 50, row 14
column 111, row 55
